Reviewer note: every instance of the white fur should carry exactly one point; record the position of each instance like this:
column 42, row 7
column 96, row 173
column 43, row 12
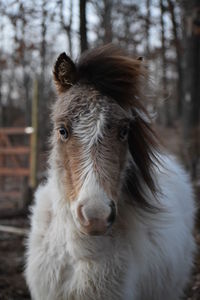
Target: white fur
column 147, row 256
column 91, row 195
column 93, row 198
column 89, row 128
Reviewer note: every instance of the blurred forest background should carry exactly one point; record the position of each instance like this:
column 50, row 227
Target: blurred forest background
column 34, row 32
column 165, row 32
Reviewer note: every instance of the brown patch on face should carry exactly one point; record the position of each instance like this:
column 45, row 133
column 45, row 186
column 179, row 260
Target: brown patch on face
column 69, row 161
column 67, row 111
column 72, row 166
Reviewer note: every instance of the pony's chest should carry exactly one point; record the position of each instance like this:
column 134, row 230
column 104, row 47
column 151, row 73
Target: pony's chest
column 65, row 276
column 52, row 263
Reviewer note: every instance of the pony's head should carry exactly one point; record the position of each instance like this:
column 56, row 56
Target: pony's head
column 103, row 146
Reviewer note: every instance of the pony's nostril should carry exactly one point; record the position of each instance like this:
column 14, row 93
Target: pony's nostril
column 112, row 215
column 95, row 222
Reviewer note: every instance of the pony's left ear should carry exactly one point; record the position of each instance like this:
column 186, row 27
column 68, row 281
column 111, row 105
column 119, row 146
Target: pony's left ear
column 64, row 73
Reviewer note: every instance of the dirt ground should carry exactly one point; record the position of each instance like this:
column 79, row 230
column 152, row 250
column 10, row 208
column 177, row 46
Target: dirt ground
column 12, row 283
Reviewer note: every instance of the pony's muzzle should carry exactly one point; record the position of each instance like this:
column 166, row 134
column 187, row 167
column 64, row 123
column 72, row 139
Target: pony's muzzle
column 94, row 221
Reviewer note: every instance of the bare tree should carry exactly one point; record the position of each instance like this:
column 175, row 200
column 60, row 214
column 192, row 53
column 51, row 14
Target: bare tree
column 22, row 53
column 164, row 64
column 1, row 106
column 43, row 102
column 191, row 86
column 147, row 27
column 67, row 25
column 43, row 37
column 128, row 27
column 83, row 25
column 107, row 21
column 104, row 11
column 1, row 70
column 177, row 45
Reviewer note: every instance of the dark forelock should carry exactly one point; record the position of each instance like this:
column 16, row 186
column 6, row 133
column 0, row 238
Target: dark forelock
column 113, row 73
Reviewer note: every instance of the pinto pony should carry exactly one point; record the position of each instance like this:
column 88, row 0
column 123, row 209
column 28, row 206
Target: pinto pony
column 114, row 219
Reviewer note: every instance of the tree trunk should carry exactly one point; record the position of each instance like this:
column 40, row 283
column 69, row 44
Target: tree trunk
column 83, row 26
column 43, row 37
column 43, row 101
column 191, row 115
column 148, row 22
column 178, row 56
column 67, row 26
column 164, row 66
column 69, row 31
column 107, row 21
column 1, row 106
column 26, row 78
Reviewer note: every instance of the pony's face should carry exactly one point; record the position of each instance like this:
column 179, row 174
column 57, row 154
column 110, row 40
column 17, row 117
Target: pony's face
column 92, row 145
column 103, row 145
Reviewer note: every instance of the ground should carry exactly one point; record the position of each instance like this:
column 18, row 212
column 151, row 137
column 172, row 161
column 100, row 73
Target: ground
column 12, row 283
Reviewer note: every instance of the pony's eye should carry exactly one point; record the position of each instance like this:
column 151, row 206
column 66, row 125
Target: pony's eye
column 123, row 134
column 63, row 133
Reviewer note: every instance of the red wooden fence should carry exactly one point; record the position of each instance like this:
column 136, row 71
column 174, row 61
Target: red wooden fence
column 11, row 153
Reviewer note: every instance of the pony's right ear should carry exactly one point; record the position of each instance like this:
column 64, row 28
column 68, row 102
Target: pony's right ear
column 64, row 73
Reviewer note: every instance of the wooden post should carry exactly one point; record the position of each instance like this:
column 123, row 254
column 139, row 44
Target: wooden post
column 33, row 157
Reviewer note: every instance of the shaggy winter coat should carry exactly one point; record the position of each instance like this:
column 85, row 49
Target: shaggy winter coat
column 147, row 251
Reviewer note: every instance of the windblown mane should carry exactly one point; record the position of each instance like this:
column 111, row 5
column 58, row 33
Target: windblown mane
column 114, row 74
